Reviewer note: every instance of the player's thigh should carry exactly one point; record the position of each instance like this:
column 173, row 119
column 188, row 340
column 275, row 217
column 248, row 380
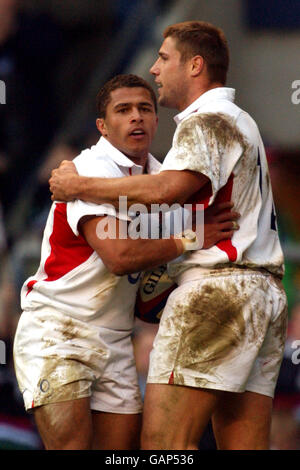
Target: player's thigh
column 116, row 431
column 65, row 425
column 242, row 421
column 176, row 416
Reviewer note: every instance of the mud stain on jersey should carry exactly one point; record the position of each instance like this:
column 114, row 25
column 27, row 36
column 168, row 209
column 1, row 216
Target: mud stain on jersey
column 218, row 126
column 206, row 141
column 219, row 132
column 69, row 330
column 105, row 287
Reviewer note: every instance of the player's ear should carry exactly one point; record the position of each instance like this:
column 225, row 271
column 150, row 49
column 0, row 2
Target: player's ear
column 197, row 65
column 101, row 126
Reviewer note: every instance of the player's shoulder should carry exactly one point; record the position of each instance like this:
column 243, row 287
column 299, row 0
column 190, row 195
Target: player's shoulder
column 96, row 162
column 211, row 115
column 218, row 111
column 219, row 117
column 248, row 127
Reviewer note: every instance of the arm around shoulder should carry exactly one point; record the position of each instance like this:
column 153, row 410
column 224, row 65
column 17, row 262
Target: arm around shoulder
column 167, row 187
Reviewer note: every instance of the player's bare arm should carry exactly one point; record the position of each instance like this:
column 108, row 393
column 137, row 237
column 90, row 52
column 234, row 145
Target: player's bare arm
column 166, row 187
column 125, row 256
column 219, row 219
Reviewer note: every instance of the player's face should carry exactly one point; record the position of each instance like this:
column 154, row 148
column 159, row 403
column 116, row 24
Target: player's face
column 171, row 76
column 130, row 122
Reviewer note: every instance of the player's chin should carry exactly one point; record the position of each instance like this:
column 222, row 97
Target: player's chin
column 161, row 100
column 140, row 145
column 165, row 102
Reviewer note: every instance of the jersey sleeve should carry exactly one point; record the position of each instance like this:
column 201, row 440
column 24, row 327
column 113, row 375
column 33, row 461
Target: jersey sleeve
column 78, row 208
column 210, row 144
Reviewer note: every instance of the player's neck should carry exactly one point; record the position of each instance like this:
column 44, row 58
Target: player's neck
column 196, row 92
column 139, row 160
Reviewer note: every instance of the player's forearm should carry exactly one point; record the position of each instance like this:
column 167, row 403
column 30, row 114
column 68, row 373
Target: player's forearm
column 145, row 254
column 143, row 189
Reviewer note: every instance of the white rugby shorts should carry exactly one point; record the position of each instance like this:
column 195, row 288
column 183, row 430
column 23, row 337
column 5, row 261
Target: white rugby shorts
column 225, row 330
column 59, row 358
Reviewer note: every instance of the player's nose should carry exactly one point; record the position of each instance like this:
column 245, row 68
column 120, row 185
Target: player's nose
column 154, row 69
column 136, row 115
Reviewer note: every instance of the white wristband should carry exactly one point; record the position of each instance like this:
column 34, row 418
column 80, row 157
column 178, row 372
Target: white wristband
column 189, row 240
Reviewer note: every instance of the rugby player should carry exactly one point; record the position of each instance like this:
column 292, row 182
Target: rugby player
column 73, row 352
column 221, row 337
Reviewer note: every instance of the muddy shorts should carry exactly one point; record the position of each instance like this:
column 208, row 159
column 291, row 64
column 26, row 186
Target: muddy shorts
column 223, row 331
column 58, row 358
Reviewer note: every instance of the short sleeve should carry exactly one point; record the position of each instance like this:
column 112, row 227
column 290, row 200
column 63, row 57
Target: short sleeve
column 210, row 144
column 78, row 209
column 101, row 167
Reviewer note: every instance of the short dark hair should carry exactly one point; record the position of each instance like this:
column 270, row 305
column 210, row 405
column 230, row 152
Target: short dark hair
column 121, row 81
column 201, row 38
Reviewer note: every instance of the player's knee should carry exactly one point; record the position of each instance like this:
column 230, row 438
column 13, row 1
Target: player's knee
column 150, row 442
column 77, row 440
column 156, row 439
column 152, row 438
column 159, row 441
column 67, row 439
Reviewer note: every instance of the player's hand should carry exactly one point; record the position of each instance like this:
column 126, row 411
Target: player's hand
column 220, row 223
column 64, row 182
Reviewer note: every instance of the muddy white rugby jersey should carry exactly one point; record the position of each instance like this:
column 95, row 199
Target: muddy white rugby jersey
column 217, row 138
column 71, row 277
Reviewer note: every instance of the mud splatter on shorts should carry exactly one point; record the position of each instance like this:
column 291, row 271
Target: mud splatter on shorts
column 224, row 331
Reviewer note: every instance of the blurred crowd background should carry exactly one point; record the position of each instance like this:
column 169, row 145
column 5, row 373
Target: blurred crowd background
column 54, row 56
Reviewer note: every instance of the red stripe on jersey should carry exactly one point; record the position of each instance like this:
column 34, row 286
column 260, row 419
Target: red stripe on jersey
column 201, row 197
column 30, row 286
column 224, row 194
column 67, row 250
